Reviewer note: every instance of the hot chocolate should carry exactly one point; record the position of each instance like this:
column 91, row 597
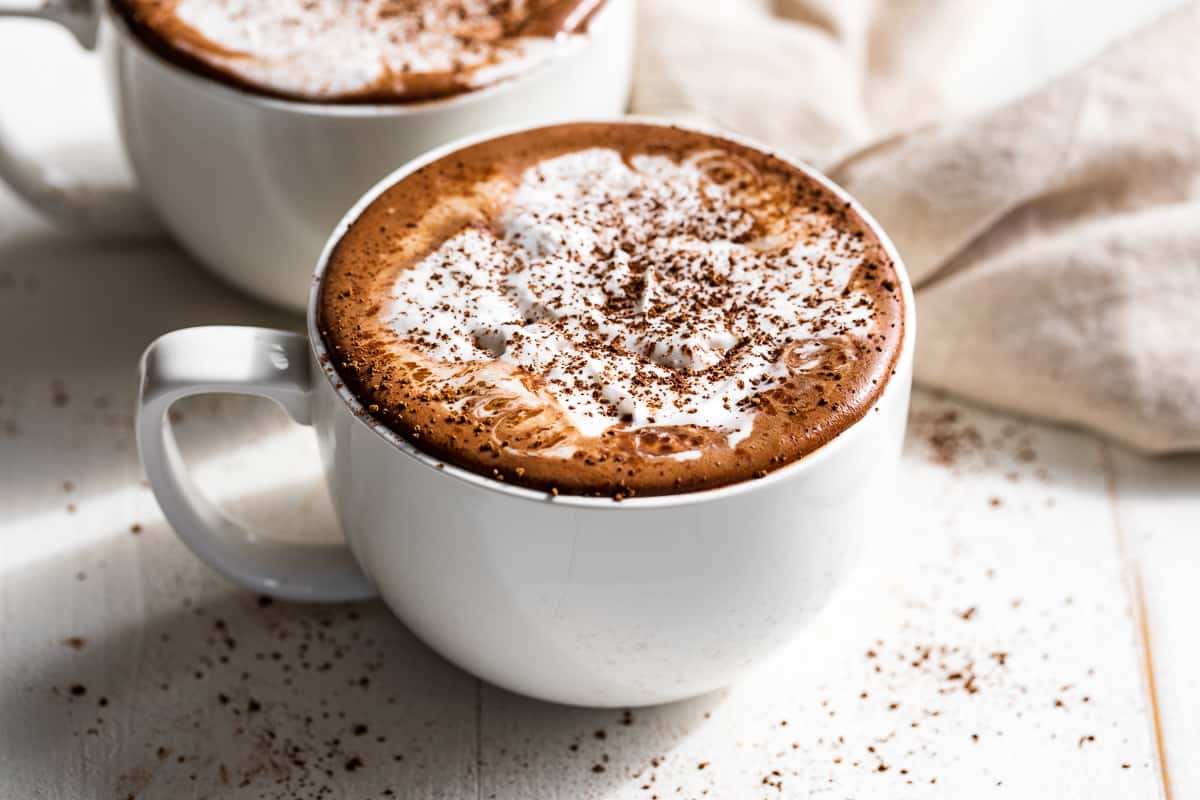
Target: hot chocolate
column 358, row 50
column 613, row 309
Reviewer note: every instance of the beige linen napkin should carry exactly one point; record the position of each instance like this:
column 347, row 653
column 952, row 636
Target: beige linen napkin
column 1036, row 162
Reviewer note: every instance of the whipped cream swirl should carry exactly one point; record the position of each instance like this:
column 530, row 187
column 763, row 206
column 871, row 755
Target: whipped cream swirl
column 331, row 49
column 640, row 292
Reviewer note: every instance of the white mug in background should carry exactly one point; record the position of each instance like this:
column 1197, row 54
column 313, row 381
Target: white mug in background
column 572, row 599
column 252, row 185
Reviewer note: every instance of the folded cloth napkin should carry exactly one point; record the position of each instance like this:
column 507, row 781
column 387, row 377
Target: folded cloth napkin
column 1037, row 163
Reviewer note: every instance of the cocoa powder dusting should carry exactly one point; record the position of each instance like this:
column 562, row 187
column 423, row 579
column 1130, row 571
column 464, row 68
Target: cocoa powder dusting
column 739, row 312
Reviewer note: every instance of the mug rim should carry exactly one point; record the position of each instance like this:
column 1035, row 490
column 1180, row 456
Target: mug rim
column 349, row 110
column 810, row 460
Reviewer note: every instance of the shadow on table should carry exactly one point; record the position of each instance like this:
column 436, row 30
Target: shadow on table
column 75, row 315
column 222, row 693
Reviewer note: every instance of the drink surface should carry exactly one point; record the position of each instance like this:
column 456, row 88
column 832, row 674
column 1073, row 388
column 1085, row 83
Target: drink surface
column 613, row 309
column 358, row 50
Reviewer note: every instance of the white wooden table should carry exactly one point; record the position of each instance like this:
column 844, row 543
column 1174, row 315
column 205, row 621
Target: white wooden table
column 1026, row 628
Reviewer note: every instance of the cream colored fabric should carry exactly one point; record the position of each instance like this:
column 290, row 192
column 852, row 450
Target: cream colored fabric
column 1037, row 163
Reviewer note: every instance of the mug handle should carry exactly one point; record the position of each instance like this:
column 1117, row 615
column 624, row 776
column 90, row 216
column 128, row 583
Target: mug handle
column 235, row 360
column 110, row 211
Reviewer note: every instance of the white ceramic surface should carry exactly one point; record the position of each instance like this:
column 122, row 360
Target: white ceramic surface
column 577, row 600
column 251, row 186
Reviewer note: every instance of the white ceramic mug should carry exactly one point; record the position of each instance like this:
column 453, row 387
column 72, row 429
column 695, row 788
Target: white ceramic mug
column 250, row 185
column 572, row 599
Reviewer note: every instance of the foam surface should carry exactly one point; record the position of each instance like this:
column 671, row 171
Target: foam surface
column 362, row 49
column 613, row 308
column 683, row 330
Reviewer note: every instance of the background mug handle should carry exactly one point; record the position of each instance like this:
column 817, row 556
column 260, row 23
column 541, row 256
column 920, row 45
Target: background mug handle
column 116, row 211
column 235, row 360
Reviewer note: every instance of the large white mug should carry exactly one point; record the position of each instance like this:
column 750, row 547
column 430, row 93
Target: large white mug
column 252, row 185
column 578, row 600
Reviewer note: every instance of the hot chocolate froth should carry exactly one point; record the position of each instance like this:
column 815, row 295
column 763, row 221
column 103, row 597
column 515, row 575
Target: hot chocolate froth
column 616, row 309
column 359, row 50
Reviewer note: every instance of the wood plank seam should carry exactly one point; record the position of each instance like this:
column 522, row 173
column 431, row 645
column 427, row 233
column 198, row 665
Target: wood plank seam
column 1137, row 597
column 478, row 739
